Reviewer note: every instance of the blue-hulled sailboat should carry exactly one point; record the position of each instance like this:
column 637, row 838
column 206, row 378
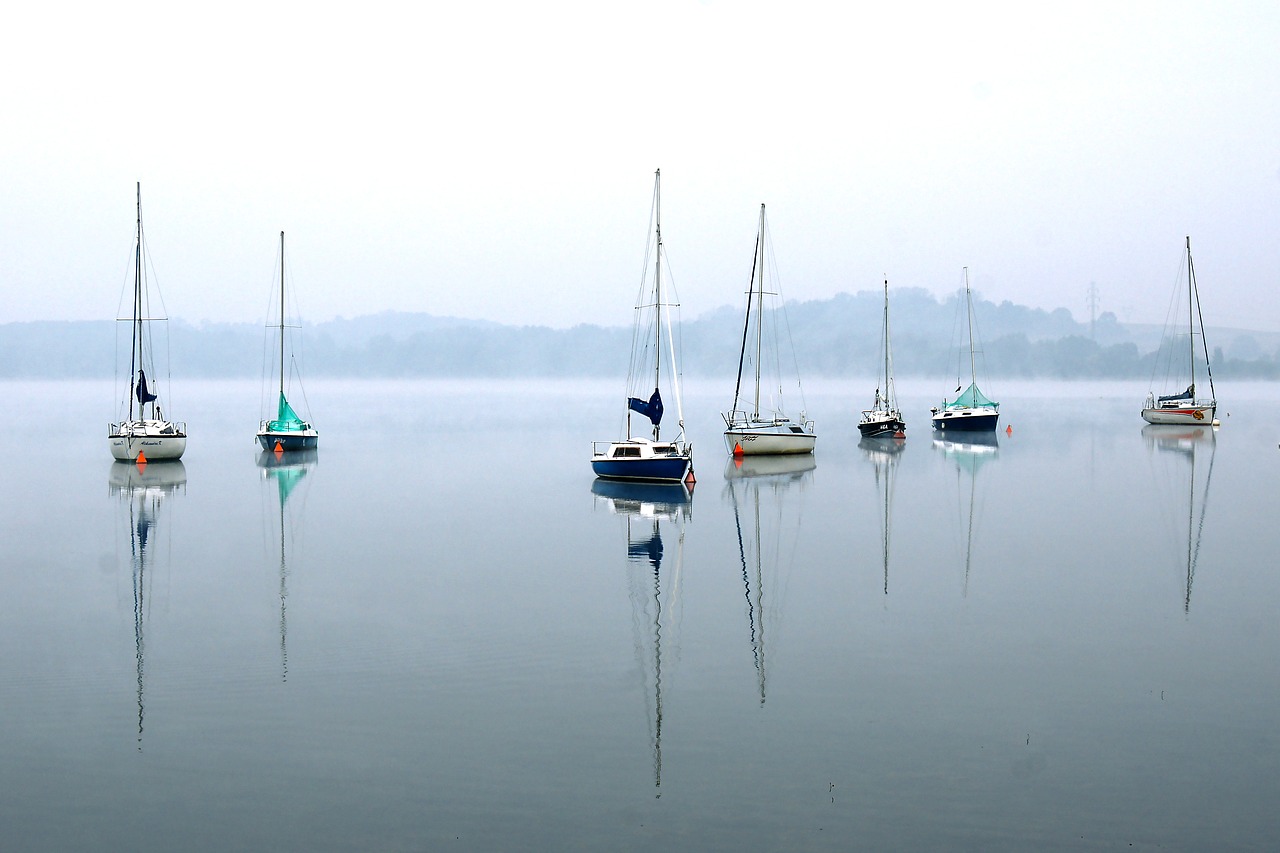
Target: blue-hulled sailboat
column 649, row 457
column 286, row 431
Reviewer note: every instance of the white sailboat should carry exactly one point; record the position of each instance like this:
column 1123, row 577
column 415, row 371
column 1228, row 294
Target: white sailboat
column 884, row 419
column 143, row 434
column 286, row 432
column 1184, row 407
column 644, row 457
column 971, row 411
column 749, row 431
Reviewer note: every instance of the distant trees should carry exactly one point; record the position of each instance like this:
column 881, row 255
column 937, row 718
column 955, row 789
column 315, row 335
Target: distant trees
column 832, row 337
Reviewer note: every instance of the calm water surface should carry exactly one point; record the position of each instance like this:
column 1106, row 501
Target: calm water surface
column 441, row 632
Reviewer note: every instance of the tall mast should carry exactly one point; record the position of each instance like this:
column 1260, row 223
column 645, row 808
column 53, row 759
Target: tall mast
column 282, row 313
column 968, row 298
column 886, row 341
column 657, row 285
column 135, row 346
column 759, row 308
column 1191, row 314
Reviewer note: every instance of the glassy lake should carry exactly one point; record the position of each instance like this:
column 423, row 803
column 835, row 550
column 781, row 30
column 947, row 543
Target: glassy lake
column 440, row 632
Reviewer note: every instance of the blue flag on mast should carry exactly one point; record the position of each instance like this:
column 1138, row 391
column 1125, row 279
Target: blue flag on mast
column 652, row 409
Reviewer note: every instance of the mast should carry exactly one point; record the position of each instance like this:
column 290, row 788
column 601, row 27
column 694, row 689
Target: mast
column 1193, row 293
column 759, row 309
column 657, row 286
column 281, row 313
column 968, row 297
column 135, row 346
column 888, row 395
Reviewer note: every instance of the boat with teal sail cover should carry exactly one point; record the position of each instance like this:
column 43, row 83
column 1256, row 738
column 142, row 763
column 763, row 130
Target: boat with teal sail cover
column 971, row 411
column 640, row 457
column 287, row 431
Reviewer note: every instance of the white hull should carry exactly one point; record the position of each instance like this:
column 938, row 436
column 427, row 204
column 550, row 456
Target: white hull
column 155, row 439
column 780, row 438
column 1198, row 414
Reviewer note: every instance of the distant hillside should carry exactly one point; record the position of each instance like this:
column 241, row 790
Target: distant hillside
column 833, row 337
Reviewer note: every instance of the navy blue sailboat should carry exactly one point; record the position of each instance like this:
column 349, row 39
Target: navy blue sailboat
column 649, row 457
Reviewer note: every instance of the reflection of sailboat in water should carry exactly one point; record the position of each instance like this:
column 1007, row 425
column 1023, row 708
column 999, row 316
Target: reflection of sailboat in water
column 1187, row 443
column 143, row 488
column 646, row 507
column 969, row 454
column 288, row 470
column 747, row 481
column 884, row 453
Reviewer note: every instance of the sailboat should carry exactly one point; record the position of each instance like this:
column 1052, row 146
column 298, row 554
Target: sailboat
column 144, row 433
column 1189, row 444
column 144, row 487
column 971, row 411
column 884, row 419
column 749, row 431
column 649, row 457
column 1184, row 407
column 287, row 432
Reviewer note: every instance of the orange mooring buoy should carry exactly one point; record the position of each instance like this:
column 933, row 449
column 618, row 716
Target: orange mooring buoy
column 279, row 448
column 737, row 449
column 1008, row 430
column 142, row 459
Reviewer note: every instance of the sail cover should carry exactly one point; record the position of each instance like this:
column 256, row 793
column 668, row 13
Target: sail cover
column 972, row 398
column 652, row 409
column 144, row 396
column 1189, row 394
column 287, row 419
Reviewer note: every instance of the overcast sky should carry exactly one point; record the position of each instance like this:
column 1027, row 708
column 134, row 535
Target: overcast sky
column 496, row 161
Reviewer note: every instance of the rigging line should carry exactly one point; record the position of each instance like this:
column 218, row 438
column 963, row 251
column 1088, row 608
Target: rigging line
column 746, row 324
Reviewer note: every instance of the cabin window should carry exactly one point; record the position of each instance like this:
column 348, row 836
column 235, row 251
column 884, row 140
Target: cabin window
column 625, row 452
column 663, row 448
column 796, row 429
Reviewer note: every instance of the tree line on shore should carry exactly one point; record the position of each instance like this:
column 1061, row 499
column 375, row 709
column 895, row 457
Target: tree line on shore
column 839, row 336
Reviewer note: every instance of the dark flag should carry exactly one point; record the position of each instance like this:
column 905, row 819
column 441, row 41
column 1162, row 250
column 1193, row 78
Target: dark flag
column 144, row 396
column 652, row 409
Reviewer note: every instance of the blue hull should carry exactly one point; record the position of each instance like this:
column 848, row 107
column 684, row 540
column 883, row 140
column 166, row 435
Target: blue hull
column 288, row 442
column 667, row 470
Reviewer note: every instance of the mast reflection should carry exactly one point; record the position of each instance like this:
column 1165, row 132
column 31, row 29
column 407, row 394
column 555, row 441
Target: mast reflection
column 646, row 507
column 747, row 479
column 969, row 454
column 884, row 453
column 1185, row 447
column 143, row 489
column 287, row 469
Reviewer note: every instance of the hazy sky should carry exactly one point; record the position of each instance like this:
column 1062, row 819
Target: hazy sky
column 496, row 160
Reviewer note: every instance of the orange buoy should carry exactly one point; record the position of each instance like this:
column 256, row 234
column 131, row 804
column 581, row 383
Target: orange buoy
column 1008, row 430
column 689, row 478
column 737, row 449
column 142, row 460
column 279, row 448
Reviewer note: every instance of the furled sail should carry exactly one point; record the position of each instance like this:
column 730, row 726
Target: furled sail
column 972, row 398
column 652, row 409
column 144, row 396
column 287, row 419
